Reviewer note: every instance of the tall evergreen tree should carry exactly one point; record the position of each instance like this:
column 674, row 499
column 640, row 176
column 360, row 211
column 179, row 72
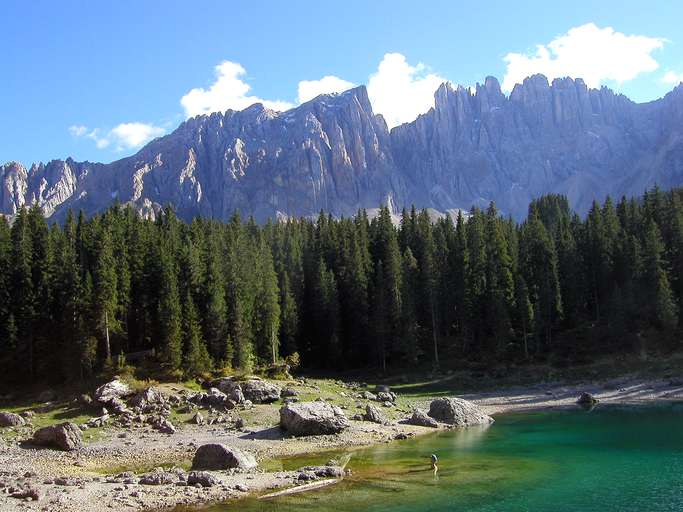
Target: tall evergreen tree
column 196, row 359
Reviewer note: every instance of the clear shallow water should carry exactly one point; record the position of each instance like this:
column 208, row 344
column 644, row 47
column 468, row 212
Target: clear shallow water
column 617, row 459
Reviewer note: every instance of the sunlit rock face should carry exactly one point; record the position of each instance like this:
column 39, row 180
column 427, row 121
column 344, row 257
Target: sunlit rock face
column 473, row 148
column 334, row 154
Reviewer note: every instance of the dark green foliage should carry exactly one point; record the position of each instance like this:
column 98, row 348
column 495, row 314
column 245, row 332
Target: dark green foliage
column 344, row 293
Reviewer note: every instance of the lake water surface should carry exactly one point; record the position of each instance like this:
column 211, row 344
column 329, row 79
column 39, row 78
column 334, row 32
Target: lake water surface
column 609, row 459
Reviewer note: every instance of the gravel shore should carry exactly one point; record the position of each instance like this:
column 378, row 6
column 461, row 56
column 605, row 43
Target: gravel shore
column 104, row 474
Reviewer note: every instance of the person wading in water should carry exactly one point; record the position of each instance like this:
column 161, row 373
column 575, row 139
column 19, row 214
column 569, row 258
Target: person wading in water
column 434, row 461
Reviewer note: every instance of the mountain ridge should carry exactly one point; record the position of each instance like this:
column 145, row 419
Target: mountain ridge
column 334, row 153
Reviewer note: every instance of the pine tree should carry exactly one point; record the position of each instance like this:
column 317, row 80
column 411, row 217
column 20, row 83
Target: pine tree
column 429, row 276
column 22, row 293
column 539, row 263
column 660, row 299
column 289, row 326
column 105, row 292
column 499, row 281
column 7, row 326
column 196, row 359
column 524, row 312
column 170, row 314
column 216, row 308
column 268, row 309
column 475, row 280
column 409, row 346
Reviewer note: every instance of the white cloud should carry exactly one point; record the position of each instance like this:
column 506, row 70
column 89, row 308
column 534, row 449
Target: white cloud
column 124, row 136
column 78, row 130
column 229, row 91
column 309, row 89
column 131, row 135
column 399, row 91
column 589, row 52
column 672, row 78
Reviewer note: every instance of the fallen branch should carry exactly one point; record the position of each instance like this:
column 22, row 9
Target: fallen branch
column 301, row 488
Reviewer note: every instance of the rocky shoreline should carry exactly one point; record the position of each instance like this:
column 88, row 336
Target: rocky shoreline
column 145, row 457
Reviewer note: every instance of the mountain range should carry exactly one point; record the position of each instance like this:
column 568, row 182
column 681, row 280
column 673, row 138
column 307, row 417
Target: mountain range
column 333, row 153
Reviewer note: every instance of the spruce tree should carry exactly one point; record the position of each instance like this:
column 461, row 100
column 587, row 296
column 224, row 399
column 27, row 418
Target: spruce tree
column 660, row 299
column 196, row 359
column 268, row 309
column 170, row 314
column 499, row 281
column 22, row 293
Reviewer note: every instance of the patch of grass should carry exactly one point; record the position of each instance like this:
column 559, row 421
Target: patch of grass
column 51, row 413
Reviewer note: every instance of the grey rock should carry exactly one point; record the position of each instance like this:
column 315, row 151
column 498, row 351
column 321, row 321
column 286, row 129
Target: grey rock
column 164, row 426
column 97, row 422
column 219, row 456
column 64, row 436
column 27, row 493
column 202, row 478
column 314, row 472
column 231, row 388
column 112, row 393
column 312, row 418
column 159, row 478
column 148, row 400
column 374, row 415
column 9, row 419
column 587, row 399
column 458, row 412
column 386, row 396
column 421, row 419
column 260, row 391
column 213, row 398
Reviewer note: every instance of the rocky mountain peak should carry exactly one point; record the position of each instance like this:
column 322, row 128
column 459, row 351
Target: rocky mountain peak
column 333, row 153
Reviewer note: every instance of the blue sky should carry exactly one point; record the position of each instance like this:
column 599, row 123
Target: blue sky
column 95, row 80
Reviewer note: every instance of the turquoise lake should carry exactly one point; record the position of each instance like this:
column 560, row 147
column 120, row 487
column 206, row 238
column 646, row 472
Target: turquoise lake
column 613, row 458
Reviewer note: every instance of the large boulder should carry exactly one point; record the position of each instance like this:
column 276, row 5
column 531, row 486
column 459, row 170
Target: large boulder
column 213, row 398
column 260, row 391
column 312, row 418
column 458, row 412
column 64, row 436
column 231, row 388
column 218, row 456
column 373, row 414
column 148, row 400
column 587, row 399
column 9, row 419
column 112, row 393
column 421, row 419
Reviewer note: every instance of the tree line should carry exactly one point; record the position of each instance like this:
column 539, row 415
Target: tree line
column 338, row 293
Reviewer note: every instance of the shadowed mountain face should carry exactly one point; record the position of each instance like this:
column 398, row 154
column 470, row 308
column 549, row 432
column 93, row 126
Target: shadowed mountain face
column 334, row 154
